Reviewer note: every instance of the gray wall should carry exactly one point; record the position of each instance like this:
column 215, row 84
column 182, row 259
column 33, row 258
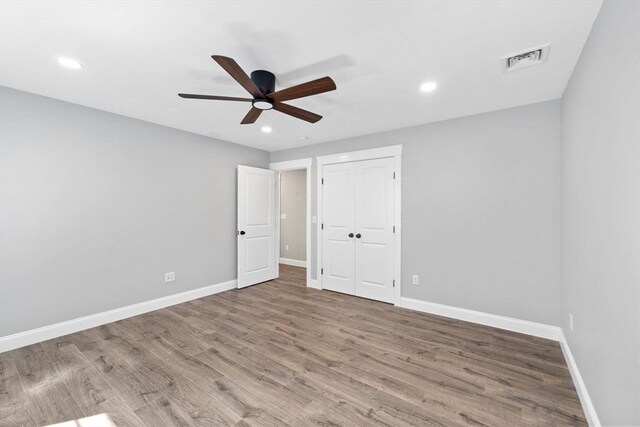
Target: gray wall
column 601, row 206
column 480, row 209
column 96, row 207
column 293, row 202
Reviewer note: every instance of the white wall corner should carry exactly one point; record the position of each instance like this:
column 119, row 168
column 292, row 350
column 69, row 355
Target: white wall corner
column 33, row 336
column 502, row 322
column 581, row 388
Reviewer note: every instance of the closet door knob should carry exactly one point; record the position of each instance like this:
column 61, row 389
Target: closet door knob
column 242, row 233
column 350, row 234
column 358, row 235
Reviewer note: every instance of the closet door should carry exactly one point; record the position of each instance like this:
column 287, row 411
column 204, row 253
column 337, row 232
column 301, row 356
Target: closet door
column 338, row 216
column 374, row 229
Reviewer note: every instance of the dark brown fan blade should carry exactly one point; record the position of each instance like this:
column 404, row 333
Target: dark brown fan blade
column 251, row 116
column 313, row 87
column 214, row 97
column 296, row 112
column 234, row 70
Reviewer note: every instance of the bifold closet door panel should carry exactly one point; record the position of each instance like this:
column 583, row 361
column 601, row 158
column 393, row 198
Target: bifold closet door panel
column 374, row 227
column 338, row 221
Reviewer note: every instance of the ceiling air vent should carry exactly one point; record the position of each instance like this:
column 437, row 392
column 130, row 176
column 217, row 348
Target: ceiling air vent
column 528, row 58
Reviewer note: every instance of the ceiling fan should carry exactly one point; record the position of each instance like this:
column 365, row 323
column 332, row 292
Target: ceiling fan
column 261, row 85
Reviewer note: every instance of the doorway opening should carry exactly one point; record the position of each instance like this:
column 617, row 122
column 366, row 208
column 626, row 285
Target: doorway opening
column 293, row 213
column 293, row 205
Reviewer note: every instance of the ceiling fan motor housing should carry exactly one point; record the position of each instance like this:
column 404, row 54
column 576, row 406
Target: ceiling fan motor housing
column 265, row 81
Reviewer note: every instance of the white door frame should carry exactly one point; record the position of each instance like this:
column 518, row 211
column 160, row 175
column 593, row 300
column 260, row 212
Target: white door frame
column 287, row 166
column 394, row 151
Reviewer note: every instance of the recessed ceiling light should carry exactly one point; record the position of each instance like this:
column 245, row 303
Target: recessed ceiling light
column 428, row 86
column 266, row 129
column 69, row 63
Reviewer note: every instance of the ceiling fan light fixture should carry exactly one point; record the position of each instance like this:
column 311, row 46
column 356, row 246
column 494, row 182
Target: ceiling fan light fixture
column 262, row 104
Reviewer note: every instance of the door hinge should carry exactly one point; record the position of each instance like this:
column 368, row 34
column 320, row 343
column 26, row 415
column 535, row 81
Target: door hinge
column 322, row 271
column 394, row 229
column 322, row 226
column 394, row 283
column 394, row 175
column 322, row 181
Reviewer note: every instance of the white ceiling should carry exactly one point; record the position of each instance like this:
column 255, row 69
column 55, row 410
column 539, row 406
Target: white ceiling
column 138, row 55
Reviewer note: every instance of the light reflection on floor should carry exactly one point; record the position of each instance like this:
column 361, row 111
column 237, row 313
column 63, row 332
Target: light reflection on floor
column 100, row 420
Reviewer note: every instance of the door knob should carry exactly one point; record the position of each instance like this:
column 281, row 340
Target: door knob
column 242, row 233
column 358, row 236
column 350, row 234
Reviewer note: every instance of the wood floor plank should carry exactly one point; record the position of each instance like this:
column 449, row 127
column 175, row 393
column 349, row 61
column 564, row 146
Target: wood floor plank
column 12, row 396
column 34, row 366
column 267, row 389
column 257, row 363
column 52, row 402
column 13, row 400
column 337, row 414
column 199, row 403
column 128, row 383
column 188, row 366
column 278, row 354
column 245, row 404
column 7, row 365
column 185, row 336
column 117, row 411
column 85, row 384
column 21, row 417
column 162, row 412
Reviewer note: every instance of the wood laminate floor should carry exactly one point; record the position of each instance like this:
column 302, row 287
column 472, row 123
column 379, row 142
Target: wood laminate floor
column 279, row 353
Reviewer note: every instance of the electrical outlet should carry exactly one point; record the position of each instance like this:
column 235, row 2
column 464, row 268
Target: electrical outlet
column 415, row 280
column 283, row 216
column 571, row 322
column 286, row 247
column 169, row 277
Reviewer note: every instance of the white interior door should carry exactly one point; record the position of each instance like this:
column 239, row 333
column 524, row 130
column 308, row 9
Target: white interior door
column 256, row 226
column 338, row 222
column 374, row 251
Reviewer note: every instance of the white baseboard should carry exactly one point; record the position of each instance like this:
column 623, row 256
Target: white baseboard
column 293, row 262
column 581, row 388
column 502, row 322
column 44, row 333
column 313, row 284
